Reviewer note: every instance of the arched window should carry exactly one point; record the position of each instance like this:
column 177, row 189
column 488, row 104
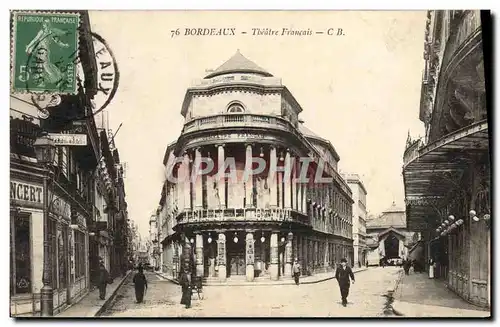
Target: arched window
column 235, row 108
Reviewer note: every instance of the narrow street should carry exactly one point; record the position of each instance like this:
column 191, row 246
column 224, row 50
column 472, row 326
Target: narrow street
column 322, row 299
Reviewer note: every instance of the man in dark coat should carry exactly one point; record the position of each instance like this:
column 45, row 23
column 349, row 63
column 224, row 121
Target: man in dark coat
column 140, row 284
column 103, row 281
column 343, row 275
column 185, row 275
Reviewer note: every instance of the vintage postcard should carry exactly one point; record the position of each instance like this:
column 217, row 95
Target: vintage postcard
column 250, row 164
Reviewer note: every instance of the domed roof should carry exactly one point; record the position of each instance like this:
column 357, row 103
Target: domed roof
column 238, row 64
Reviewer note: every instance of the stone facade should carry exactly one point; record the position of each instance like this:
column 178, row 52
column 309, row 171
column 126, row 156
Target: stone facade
column 251, row 225
column 359, row 213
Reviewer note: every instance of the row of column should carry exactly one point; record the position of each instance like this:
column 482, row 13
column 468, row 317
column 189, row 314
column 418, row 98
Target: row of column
column 304, row 249
column 295, row 194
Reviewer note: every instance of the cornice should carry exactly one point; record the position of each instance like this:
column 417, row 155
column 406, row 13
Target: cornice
column 228, row 87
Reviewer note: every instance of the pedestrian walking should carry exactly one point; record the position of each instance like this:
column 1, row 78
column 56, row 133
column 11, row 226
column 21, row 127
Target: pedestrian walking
column 296, row 271
column 406, row 266
column 344, row 275
column 185, row 282
column 104, row 280
column 432, row 265
column 140, row 284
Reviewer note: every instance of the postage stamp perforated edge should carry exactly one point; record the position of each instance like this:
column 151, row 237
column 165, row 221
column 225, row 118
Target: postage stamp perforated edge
column 13, row 33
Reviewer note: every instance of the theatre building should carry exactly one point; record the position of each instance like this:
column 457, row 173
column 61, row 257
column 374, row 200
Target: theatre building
column 253, row 226
column 447, row 176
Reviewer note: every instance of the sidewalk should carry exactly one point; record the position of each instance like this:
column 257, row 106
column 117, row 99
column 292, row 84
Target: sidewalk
column 419, row 296
column 91, row 305
column 265, row 281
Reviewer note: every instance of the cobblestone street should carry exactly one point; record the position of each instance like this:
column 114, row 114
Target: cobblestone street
column 366, row 299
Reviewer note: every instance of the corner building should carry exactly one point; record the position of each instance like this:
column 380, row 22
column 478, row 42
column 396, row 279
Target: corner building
column 251, row 227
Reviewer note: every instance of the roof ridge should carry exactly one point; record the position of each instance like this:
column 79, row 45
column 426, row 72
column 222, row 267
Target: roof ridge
column 238, row 63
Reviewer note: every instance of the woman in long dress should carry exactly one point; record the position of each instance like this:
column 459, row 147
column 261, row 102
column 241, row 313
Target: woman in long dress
column 431, row 269
column 141, row 285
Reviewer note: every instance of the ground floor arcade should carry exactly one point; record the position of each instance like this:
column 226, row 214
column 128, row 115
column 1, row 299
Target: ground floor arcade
column 257, row 253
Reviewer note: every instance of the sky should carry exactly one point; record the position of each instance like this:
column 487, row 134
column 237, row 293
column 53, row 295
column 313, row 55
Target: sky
column 361, row 90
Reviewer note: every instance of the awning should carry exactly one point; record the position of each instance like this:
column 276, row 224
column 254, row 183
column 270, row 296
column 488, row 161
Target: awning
column 429, row 171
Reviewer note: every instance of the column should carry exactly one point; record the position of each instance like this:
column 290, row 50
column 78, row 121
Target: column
column 287, row 187
column 316, row 254
column 250, row 258
column 248, row 177
column 303, row 189
column 280, row 189
column 326, row 248
column 295, row 252
column 221, row 256
column 273, row 266
column 186, row 182
column 300, row 252
column 221, row 180
column 272, row 177
column 175, row 259
column 298, row 198
column 197, row 180
column 295, row 192
column 199, row 255
column 288, row 255
column 305, row 252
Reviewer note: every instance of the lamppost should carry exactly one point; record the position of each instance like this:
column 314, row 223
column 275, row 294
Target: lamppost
column 45, row 150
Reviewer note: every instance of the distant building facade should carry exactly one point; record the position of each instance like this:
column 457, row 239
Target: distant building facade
column 447, row 176
column 359, row 216
column 153, row 245
column 387, row 236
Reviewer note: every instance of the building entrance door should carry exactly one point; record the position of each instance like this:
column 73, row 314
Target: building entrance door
column 238, row 265
column 236, row 259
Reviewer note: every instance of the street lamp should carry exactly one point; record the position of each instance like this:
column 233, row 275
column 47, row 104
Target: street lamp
column 45, row 151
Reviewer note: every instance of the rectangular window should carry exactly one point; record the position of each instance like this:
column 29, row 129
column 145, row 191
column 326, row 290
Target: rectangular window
column 62, row 254
column 63, row 160
column 79, row 254
column 20, row 251
column 52, row 230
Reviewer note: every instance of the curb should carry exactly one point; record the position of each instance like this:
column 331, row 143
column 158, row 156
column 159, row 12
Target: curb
column 279, row 282
column 108, row 301
column 396, row 311
column 391, row 291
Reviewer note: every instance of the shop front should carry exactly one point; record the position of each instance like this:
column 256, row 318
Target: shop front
column 79, row 265
column 59, row 230
column 26, row 242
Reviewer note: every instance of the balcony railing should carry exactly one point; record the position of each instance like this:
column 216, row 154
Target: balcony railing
column 238, row 120
column 264, row 121
column 241, row 214
column 412, row 152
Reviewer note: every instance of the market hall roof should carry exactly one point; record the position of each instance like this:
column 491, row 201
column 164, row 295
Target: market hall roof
column 393, row 216
column 430, row 171
column 238, row 64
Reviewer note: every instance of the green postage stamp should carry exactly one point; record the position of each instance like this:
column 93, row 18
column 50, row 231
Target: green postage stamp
column 44, row 52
